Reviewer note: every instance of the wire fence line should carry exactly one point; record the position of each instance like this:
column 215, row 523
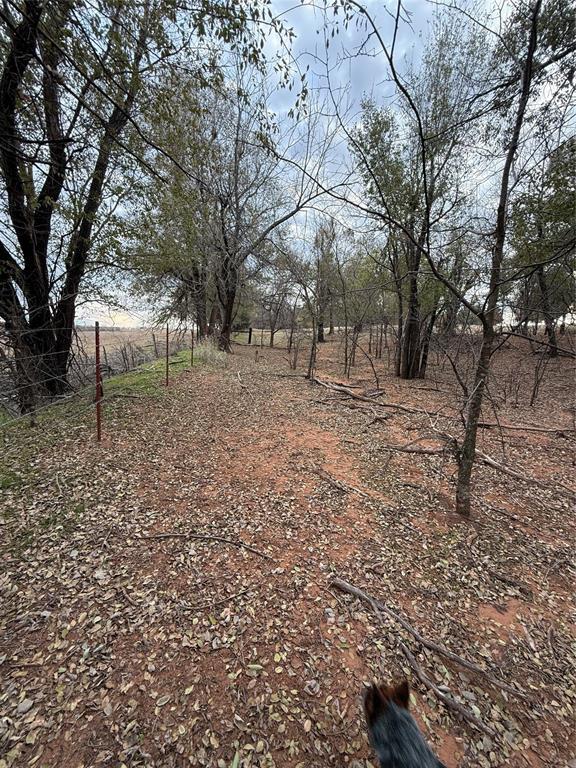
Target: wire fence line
column 25, row 395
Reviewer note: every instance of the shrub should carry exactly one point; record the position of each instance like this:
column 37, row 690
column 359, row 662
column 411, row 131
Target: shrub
column 208, row 353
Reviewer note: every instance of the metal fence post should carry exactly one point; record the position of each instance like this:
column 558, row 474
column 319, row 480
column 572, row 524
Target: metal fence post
column 98, row 383
column 167, row 354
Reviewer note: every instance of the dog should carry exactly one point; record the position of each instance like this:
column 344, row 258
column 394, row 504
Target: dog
column 394, row 734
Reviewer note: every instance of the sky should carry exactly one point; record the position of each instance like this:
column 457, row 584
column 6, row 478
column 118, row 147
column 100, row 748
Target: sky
column 360, row 73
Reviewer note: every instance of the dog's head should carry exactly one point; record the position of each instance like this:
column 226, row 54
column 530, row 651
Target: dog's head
column 378, row 697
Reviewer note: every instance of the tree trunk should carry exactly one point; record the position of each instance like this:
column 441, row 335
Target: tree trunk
column 410, row 339
column 331, row 316
column 195, row 283
column 215, row 318
column 227, row 321
column 548, row 319
column 399, row 341
column 312, row 358
column 44, row 332
column 201, row 319
column 425, row 346
column 467, row 451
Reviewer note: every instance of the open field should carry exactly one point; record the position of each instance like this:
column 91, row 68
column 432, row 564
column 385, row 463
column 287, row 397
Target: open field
column 168, row 596
column 117, row 337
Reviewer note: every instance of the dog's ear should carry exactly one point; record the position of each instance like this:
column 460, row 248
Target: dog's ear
column 401, row 694
column 375, row 702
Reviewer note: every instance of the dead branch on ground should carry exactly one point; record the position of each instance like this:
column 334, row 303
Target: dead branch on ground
column 559, row 489
column 345, row 487
column 364, row 398
column 560, row 431
column 244, row 386
column 448, row 700
column 205, row 537
column 380, row 608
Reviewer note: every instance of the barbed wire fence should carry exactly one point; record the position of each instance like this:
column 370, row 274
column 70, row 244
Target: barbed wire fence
column 97, row 355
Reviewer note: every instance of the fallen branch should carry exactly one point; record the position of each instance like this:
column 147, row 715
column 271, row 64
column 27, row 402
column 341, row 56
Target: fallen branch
column 404, row 449
column 489, row 461
column 206, row 537
column 525, row 428
column 449, row 701
column 339, row 484
column 380, row 608
column 244, row 386
column 559, row 489
column 365, row 399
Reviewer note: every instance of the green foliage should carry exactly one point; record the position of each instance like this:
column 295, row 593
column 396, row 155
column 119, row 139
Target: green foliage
column 543, row 231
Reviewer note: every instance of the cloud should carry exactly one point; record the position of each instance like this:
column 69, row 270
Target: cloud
column 354, row 56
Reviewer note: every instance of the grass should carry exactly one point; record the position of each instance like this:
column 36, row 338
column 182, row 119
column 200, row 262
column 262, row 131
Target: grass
column 23, row 439
column 207, row 353
column 23, row 442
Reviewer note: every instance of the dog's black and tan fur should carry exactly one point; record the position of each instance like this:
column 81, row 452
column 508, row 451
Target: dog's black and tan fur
column 394, row 734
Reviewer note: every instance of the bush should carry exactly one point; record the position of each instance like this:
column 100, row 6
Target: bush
column 207, row 352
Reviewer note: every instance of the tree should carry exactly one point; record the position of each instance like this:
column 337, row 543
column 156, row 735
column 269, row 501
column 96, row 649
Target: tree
column 414, row 188
column 71, row 86
column 492, row 104
column 233, row 199
column 543, row 239
column 324, row 245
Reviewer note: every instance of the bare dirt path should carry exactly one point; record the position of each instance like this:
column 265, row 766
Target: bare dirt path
column 128, row 642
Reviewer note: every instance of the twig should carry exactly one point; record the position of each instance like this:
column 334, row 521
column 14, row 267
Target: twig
column 380, row 608
column 205, row 537
column 244, row 386
column 339, row 484
column 219, row 602
column 449, row 701
column 525, row 428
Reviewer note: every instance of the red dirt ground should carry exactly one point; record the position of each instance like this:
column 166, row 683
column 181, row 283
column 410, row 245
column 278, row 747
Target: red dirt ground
column 138, row 650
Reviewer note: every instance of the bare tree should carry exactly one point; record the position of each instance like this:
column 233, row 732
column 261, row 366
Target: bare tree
column 470, row 95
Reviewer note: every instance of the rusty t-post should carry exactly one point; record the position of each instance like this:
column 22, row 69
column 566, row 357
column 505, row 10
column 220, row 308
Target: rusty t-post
column 98, row 383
